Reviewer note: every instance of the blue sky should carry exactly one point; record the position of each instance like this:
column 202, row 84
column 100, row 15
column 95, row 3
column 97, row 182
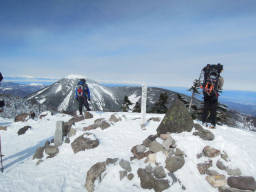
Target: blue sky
column 161, row 43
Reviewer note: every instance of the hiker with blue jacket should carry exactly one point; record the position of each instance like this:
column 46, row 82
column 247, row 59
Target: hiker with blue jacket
column 82, row 95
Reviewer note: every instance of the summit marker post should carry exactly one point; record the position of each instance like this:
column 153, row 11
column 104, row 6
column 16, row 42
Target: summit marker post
column 144, row 105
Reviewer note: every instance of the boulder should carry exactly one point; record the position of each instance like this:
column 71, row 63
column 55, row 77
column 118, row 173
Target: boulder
column 122, row 174
column 210, row 152
column 94, row 173
column 3, row 128
column 114, row 119
column 140, row 148
column 85, row 141
column 88, row 115
column 22, row 117
column 216, row 181
column 161, row 185
column 174, row 163
column 130, row 176
column 179, row 152
column 211, row 172
column 104, row 125
column 203, row 133
column 23, row 130
column 220, row 165
column 76, row 119
column 125, row 165
column 91, row 127
column 176, row 120
column 156, row 119
column 156, row 147
column 164, row 136
column 111, row 161
column 151, row 158
column 243, row 183
column 169, row 143
column 39, row 154
column 159, row 172
column 51, row 150
column 203, row 167
column 224, row 156
column 139, row 155
column 146, row 179
column 234, row 172
column 149, row 139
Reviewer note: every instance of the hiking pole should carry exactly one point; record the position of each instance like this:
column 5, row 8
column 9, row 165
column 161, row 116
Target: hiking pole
column 2, row 167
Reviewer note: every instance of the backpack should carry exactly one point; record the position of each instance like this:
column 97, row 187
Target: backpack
column 80, row 90
column 211, row 79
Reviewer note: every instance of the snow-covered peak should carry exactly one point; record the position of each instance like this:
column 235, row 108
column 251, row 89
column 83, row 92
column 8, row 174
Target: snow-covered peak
column 75, row 76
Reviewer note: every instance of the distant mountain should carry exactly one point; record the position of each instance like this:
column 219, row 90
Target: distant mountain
column 18, row 89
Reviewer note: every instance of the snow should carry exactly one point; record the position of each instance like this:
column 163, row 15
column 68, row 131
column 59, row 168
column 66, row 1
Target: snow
column 67, row 171
column 75, row 76
column 64, row 104
column 133, row 98
column 38, row 93
column 58, row 88
column 42, row 100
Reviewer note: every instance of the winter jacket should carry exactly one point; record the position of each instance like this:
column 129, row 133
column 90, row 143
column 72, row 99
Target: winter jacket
column 86, row 91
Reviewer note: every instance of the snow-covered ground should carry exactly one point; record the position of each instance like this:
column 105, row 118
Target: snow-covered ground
column 67, row 171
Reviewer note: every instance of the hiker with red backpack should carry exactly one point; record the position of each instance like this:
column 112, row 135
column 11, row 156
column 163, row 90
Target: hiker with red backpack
column 211, row 85
column 82, row 95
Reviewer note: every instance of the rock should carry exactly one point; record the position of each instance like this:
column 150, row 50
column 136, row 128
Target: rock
column 67, row 140
column 51, row 150
column 159, row 172
column 234, row 172
column 22, row 117
column 94, row 173
column 244, row 183
column 76, row 119
column 91, row 127
column 42, row 116
column 122, row 174
column 85, row 141
column 174, row 178
column 228, row 189
column 149, row 139
column 88, row 115
column 151, row 158
column 39, row 162
column 176, row 120
column 224, row 156
column 3, row 128
column 216, row 181
column 211, row 172
column 156, row 119
column 99, row 121
column 47, row 143
column 58, row 136
column 114, row 119
column 23, row 130
column 138, row 155
column 155, row 147
column 203, row 133
column 140, row 148
column 66, row 128
column 149, row 169
column 169, row 143
column 130, row 176
column 174, row 163
column 125, row 165
column 72, row 132
column 210, row 152
column 39, row 154
column 161, row 185
column 220, row 165
column 104, row 125
column 203, row 167
column 164, row 136
column 178, row 152
column 111, row 161
column 199, row 155
column 146, row 179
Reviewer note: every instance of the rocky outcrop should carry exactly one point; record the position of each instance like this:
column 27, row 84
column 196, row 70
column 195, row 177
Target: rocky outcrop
column 85, row 141
column 22, row 117
column 210, row 152
column 243, row 183
column 23, row 130
column 176, row 120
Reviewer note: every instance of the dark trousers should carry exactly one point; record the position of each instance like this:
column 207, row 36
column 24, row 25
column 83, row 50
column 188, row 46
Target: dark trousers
column 210, row 107
column 82, row 101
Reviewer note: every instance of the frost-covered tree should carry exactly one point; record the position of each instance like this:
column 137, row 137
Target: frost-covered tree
column 126, row 104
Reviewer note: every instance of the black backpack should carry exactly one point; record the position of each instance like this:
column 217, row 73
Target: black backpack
column 211, row 79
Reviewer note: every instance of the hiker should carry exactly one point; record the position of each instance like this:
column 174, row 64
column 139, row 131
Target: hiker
column 82, row 95
column 2, row 104
column 212, row 84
